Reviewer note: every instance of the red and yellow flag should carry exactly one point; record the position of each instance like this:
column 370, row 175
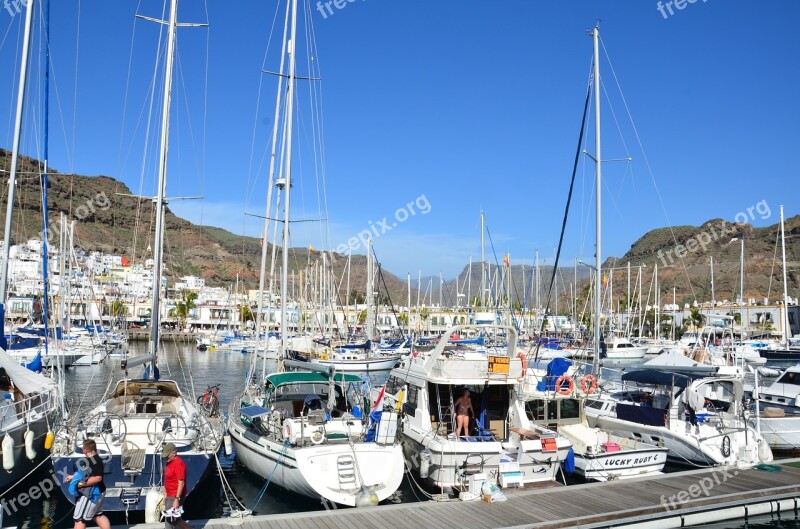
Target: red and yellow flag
column 506, row 261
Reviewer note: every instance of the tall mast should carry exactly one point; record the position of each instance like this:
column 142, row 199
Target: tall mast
column 785, row 323
column 741, row 276
column 155, row 316
column 483, row 264
column 267, row 216
column 713, row 299
column 409, row 303
column 12, row 178
column 598, row 212
column 45, row 219
column 370, row 295
column 288, row 177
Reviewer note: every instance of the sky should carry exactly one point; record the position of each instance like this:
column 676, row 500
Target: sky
column 431, row 112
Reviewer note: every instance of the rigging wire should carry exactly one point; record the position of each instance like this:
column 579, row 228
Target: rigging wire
column 647, row 164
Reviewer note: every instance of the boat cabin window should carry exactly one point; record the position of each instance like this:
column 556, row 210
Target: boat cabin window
column 411, row 400
column 789, row 377
column 551, row 412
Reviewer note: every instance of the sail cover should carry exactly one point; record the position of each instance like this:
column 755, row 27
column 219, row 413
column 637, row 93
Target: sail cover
column 24, row 380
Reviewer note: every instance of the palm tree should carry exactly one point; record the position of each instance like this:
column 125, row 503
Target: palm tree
column 185, row 305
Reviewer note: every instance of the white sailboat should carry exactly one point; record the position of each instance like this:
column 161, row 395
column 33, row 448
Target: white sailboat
column 29, row 402
column 139, row 415
column 304, row 430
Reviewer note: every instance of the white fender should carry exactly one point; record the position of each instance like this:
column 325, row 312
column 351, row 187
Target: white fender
column 8, row 452
column 228, row 446
column 152, row 509
column 764, row 451
column 30, row 451
column 424, row 463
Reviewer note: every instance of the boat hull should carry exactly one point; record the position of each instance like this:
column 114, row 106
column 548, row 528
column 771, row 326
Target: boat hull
column 317, row 471
column 22, row 464
column 126, row 491
column 622, row 464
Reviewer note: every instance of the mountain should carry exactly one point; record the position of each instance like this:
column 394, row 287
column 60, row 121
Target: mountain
column 111, row 222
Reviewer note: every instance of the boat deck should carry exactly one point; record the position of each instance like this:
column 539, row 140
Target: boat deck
column 683, row 498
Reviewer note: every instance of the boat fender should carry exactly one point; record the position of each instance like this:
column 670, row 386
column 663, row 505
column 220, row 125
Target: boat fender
column 323, row 356
column 764, row 451
column 726, row 446
column 589, row 384
column 48, row 440
column 565, row 385
column 152, row 507
column 424, row 463
column 228, row 446
column 524, row 361
column 8, row 452
column 30, row 451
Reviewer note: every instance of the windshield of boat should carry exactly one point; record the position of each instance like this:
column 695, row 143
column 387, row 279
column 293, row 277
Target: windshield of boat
column 790, row 377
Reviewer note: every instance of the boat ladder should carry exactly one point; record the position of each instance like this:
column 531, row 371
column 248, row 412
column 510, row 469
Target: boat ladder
column 346, row 467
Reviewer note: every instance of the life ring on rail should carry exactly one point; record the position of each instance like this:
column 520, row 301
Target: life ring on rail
column 323, row 356
column 524, row 361
column 288, row 431
column 565, row 390
column 589, row 384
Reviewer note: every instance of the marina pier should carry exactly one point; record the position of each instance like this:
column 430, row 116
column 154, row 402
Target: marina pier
column 680, row 499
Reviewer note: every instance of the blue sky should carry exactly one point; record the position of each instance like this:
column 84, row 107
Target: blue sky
column 460, row 106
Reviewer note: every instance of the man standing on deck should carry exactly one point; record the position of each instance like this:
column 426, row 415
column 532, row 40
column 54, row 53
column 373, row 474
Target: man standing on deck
column 87, row 507
column 175, row 487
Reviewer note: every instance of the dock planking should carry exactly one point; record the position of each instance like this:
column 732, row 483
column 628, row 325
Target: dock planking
column 591, row 504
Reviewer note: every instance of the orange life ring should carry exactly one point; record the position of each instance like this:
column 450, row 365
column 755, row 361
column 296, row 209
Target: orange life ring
column 588, row 384
column 524, row 361
column 560, row 389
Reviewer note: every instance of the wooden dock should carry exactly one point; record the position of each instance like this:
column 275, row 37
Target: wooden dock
column 671, row 500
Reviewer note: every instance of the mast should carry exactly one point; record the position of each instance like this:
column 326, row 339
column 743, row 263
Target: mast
column 270, row 185
column 409, row 303
column 713, row 299
column 785, row 322
column 370, row 295
column 12, row 177
column 160, row 203
column 45, row 219
column 288, row 176
column 598, row 212
column 741, row 276
column 483, row 263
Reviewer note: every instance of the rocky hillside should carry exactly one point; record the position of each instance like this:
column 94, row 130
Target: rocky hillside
column 110, row 222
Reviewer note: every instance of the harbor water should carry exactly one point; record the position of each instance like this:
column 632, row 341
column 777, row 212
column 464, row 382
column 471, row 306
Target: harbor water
column 194, row 371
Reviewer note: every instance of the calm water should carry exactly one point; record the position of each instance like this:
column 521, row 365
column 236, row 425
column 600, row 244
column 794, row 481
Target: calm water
column 193, row 371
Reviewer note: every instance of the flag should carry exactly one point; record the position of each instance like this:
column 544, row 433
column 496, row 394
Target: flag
column 311, row 248
column 605, row 280
column 379, row 401
column 505, row 260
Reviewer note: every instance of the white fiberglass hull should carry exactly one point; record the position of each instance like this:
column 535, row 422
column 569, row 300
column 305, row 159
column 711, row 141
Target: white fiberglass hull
column 449, row 458
column 322, row 471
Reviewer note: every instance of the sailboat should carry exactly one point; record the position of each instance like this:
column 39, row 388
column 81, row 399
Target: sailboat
column 305, row 431
column 29, row 402
column 140, row 415
column 653, row 405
